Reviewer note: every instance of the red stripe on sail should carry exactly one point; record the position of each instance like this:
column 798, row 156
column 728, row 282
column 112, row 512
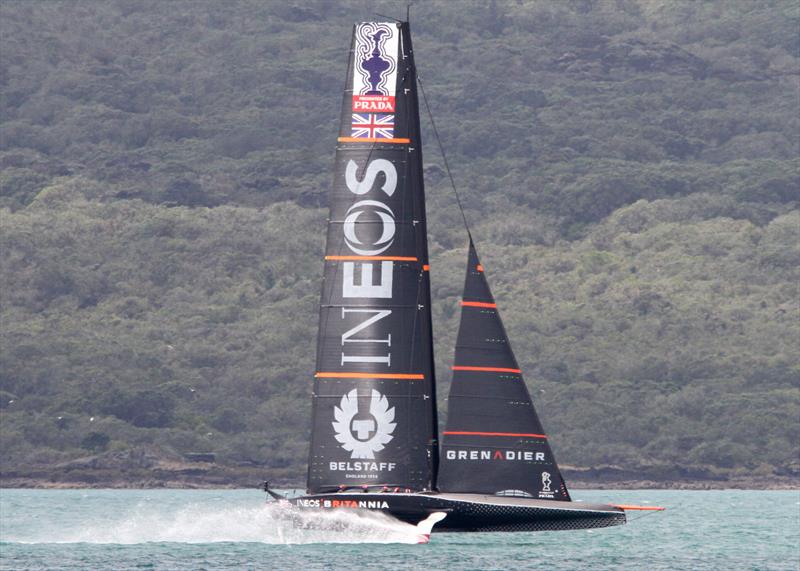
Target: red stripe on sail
column 373, row 140
column 478, row 304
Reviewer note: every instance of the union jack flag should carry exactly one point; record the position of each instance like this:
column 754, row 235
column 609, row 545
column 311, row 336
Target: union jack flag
column 373, row 125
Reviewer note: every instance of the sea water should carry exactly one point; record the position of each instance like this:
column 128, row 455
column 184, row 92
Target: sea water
column 236, row 529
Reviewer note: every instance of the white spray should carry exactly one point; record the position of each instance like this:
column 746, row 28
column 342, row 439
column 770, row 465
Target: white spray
column 201, row 523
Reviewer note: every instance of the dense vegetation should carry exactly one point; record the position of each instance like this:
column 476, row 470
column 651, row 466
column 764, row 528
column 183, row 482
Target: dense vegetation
column 630, row 169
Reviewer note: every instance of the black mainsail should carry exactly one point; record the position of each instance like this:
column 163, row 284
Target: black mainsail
column 374, row 401
column 493, row 442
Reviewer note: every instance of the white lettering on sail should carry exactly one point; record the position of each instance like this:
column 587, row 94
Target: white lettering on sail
column 383, row 289
column 378, row 315
column 362, row 466
column 387, row 231
column 363, row 437
column 364, row 186
column 385, row 359
column 525, row 456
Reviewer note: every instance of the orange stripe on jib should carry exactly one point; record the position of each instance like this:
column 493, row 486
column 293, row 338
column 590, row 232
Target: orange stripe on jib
column 401, row 376
column 371, row 258
column 466, row 433
column 479, row 268
column 486, row 369
column 426, row 268
column 478, row 304
column 365, row 140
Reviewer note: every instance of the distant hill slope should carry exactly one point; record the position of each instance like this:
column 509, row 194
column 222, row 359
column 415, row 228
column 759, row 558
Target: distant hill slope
column 630, row 170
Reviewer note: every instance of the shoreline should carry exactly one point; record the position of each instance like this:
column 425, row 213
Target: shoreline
column 176, row 484
column 156, row 472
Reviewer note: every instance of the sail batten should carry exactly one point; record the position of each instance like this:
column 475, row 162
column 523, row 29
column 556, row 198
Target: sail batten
column 493, row 442
column 373, row 407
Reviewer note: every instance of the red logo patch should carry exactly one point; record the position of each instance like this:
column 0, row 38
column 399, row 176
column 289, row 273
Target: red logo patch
column 373, row 103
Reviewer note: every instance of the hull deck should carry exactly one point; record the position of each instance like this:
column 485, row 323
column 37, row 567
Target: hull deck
column 473, row 512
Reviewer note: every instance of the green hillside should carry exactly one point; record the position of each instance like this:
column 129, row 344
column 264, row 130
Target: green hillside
column 629, row 168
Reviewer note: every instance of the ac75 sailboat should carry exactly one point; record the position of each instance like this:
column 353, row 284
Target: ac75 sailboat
column 374, row 441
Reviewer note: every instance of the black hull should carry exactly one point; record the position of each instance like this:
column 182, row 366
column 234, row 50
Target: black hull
column 473, row 512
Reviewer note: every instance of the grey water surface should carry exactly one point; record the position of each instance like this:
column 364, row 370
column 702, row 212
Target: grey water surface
column 235, row 529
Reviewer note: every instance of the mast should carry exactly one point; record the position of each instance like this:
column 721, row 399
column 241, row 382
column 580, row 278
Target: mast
column 493, row 442
column 374, row 400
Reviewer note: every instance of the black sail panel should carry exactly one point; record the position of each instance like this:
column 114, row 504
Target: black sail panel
column 493, row 442
column 374, row 416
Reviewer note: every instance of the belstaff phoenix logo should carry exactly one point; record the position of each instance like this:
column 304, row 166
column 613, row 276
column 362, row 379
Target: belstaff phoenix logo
column 363, row 434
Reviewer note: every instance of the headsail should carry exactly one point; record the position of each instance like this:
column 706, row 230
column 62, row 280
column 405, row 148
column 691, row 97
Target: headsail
column 493, row 442
column 374, row 402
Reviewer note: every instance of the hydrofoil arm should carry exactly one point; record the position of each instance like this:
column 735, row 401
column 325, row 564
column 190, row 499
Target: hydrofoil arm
column 425, row 527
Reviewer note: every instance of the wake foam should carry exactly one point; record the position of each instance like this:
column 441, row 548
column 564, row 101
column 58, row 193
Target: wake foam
column 269, row 523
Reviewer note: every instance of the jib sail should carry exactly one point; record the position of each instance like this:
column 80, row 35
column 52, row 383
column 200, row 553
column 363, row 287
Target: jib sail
column 374, row 415
column 493, row 442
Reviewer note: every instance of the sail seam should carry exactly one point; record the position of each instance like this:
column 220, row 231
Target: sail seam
column 385, row 306
column 471, row 433
column 373, row 258
column 337, row 375
column 486, row 369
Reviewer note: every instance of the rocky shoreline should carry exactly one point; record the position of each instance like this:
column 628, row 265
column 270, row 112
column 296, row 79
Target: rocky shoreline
column 220, row 480
column 150, row 467
column 18, row 483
